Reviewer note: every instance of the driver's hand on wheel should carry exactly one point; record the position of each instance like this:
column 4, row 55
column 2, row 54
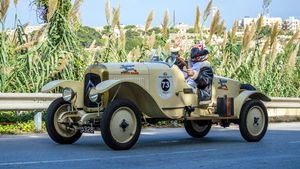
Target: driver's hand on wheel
column 190, row 72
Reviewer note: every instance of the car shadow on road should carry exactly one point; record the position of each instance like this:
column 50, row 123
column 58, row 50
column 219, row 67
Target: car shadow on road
column 208, row 141
column 180, row 140
column 159, row 141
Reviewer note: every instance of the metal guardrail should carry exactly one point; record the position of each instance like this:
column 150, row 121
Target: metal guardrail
column 283, row 102
column 27, row 102
column 40, row 101
column 284, row 109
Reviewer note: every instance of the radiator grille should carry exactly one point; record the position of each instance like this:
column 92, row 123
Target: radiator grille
column 90, row 80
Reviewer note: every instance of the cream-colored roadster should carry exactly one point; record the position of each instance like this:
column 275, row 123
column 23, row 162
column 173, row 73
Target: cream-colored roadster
column 116, row 98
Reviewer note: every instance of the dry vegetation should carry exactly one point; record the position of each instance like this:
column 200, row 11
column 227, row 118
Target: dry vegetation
column 28, row 61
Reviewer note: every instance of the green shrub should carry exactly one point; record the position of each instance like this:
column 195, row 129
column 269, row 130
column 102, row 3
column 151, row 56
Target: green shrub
column 20, row 128
column 14, row 117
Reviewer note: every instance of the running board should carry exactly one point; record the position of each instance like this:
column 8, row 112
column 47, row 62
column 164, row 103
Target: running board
column 210, row 118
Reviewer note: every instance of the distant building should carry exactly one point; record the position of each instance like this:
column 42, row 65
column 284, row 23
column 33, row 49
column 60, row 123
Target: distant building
column 182, row 27
column 27, row 29
column 30, row 29
column 140, row 27
column 99, row 29
column 267, row 21
column 271, row 21
column 291, row 24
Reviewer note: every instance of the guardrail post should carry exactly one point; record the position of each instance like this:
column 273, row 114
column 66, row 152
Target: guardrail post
column 38, row 121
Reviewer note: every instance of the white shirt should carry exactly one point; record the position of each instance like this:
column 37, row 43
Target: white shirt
column 196, row 67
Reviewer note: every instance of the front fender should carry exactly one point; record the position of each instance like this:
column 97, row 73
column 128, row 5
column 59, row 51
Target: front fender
column 107, row 85
column 126, row 89
column 75, row 85
column 244, row 96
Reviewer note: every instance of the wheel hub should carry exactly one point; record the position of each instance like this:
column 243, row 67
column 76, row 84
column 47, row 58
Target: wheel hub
column 124, row 125
column 255, row 121
column 64, row 127
column 198, row 126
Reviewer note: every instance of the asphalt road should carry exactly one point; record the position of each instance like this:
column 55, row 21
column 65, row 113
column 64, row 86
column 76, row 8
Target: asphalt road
column 159, row 148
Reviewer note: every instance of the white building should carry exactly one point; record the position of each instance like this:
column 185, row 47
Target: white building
column 99, row 28
column 27, row 29
column 182, row 27
column 140, row 27
column 30, row 29
column 267, row 21
column 292, row 24
column 270, row 21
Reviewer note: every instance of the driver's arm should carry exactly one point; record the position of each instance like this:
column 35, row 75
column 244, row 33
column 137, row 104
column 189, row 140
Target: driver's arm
column 180, row 62
column 192, row 73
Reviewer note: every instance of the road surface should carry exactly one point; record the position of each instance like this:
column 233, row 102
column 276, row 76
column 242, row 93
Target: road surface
column 158, row 148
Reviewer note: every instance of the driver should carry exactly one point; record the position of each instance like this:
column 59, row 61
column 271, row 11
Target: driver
column 199, row 75
column 179, row 60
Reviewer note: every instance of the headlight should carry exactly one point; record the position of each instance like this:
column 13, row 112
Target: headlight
column 95, row 97
column 68, row 94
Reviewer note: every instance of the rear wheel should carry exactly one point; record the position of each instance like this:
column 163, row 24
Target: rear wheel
column 253, row 121
column 197, row 128
column 121, row 125
column 60, row 132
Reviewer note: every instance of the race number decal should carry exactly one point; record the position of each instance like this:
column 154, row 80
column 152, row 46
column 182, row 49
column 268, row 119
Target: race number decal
column 165, row 85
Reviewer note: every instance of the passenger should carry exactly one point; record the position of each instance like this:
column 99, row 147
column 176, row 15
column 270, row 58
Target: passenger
column 199, row 74
column 197, row 69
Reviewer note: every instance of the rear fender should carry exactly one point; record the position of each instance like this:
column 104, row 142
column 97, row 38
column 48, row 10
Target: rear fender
column 76, row 86
column 246, row 95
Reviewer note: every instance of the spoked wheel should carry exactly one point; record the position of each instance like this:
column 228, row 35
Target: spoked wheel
column 197, row 128
column 121, row 125
column 253, row 120
column 59, row 131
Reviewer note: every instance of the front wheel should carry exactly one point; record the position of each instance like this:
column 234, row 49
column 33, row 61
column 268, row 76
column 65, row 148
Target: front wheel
column 121, row 125
column 253, row 121
column 60, row 132
column 197, row 128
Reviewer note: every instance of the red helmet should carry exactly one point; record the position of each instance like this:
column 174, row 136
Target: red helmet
column 199, row 52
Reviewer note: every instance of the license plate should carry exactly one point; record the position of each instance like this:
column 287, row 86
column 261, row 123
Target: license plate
column 86, row 129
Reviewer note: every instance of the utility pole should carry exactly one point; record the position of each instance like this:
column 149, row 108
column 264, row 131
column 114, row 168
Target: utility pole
column 174, row 18
column 266, row 9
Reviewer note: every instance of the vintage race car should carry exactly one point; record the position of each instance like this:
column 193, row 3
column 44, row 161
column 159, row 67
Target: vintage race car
column 117, row 98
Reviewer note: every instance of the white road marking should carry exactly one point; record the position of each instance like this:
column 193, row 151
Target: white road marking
column 103, row 158
column 172, row 141
column 148, row 133
column 294, row 142
column 210, row 150
column 19, row 137
column 36, row 136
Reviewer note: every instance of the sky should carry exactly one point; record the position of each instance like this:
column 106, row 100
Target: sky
column 136, row 11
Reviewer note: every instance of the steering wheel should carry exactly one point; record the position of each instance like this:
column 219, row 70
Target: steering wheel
column 170, row 60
